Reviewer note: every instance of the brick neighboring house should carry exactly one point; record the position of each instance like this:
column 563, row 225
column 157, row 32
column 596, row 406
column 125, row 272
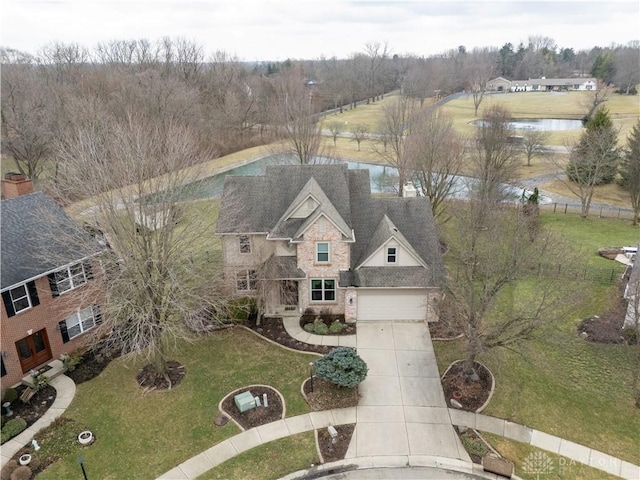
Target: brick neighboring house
column 51, row 293
column 315, row 238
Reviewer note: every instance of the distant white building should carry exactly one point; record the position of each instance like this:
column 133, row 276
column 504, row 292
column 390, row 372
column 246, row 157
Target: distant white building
column 501, row 84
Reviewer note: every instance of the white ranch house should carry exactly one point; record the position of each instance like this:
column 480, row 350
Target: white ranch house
column 501, row 84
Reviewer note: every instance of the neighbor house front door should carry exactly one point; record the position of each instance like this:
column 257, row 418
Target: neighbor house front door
column 33, row 350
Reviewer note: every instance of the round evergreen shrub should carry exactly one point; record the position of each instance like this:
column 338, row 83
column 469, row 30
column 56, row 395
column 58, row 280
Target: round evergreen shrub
column 336, row 327
column 12, row 428
column 343, row 367
column 10, row 395
column 320, row 328
column 7, row 470
column 308, row 327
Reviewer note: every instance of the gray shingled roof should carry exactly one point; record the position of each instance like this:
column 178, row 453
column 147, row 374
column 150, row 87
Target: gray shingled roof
column 37, row 239
column 257, row 203
column 386, row 277
column 283, row 268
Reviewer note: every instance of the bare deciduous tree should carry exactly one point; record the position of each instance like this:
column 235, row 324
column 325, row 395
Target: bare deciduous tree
column 437, row 154
column 297, row 124
column 336, row 129
column 495, row 157
column 393, row 128
column 359, row 133
column 480, row 67
column 501, row 291
column 533, row 143
column 158, row 277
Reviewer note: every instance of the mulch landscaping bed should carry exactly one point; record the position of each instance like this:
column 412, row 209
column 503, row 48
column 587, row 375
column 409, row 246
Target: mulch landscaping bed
column 148, row 379
column 332, row 452
column 35, row 408
column 472, row 395
column 442, row 330
column 326, row 395
column 273, row 329
column 256, row 416
column 89, row 368
column 347, row 328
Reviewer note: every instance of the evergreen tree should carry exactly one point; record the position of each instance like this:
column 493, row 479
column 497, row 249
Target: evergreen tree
column 630, row 170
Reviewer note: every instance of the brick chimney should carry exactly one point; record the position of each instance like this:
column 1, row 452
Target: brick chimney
column 16, row 184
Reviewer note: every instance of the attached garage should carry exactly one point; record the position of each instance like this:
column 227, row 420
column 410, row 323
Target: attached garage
column 392, row 304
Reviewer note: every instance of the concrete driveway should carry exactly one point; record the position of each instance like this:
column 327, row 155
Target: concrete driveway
column 402, row 409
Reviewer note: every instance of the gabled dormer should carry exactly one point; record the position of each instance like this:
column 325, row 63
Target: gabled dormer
column 311, row 205
column 388, row 247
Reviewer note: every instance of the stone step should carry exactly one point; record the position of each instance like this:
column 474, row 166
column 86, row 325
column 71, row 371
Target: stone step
column 57, row 368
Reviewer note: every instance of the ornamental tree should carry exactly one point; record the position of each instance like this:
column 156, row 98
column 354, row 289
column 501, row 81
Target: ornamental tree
column 343, row 367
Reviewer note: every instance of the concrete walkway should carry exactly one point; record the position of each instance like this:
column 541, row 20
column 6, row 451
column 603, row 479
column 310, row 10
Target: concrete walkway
column 65, row 391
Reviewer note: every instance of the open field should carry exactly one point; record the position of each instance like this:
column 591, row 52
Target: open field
column 624, row 110
column 558, row 382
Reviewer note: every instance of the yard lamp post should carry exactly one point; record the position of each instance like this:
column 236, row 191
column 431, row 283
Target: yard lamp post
column 311, row 375
column 81, row 462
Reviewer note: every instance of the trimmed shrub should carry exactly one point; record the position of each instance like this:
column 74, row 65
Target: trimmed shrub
column 343, row 367
column 320, row 328
column 7, row 470
column 23, row 472
column 309, row 327
column 336, row 327
column 10, row 395
column 12, row 428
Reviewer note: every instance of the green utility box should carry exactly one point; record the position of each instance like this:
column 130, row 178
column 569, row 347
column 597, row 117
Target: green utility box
column 245, row 401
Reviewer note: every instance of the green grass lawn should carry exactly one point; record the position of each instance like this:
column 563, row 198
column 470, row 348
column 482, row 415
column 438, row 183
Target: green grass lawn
column 560, row 383
column 269, row 461
column 141, row 435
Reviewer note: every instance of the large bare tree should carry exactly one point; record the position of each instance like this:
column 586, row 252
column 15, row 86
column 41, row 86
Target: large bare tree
column 479, row 69
column 297, row 124
column 495, row 156
column 505, row 286
column 393, row 128
column 533, row 143
column 157, row 276
column 437, row 155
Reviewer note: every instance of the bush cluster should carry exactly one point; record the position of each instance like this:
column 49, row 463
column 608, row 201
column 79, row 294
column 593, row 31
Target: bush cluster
column 12, row 428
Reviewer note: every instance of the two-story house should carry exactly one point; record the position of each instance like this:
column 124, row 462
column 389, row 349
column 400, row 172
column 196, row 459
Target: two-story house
column 313, row 236
column 51, row 292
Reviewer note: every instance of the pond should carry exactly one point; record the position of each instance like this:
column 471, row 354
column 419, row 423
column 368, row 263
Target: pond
column 543, row 124
column 383, row 179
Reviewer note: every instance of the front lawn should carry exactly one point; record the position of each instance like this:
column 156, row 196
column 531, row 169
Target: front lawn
column 142, row 435
column 560, row 383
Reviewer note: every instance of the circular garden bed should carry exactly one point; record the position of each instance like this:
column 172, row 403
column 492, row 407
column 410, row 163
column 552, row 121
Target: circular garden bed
column 256, row 416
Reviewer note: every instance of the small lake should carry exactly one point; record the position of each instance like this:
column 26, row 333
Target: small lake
column 383, row 178
column 543, row 124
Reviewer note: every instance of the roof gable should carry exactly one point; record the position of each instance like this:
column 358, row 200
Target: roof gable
column 384, row 233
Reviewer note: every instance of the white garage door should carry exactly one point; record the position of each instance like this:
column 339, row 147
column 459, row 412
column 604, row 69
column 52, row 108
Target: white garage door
column 395, row 304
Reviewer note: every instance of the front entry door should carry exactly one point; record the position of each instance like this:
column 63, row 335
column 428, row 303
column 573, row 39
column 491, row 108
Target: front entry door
column 289, row 294
column 33, row 350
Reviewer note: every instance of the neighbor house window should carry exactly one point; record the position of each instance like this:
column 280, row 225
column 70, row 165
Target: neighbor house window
column 322, row 252
column 392, row 254
column 245, row 244
column 246, row 280
column 69, row 278
column 20, row 298
column 79, row 322
column 323, row 290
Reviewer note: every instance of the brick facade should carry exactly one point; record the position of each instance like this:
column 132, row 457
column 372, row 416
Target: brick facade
column 46, row 315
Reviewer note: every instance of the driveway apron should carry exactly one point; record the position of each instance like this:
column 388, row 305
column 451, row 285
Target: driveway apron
column 402, row 409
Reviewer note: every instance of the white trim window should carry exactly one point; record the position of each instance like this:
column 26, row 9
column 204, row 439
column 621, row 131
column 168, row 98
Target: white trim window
column 246, row 280
column 80, row 321
column 323, row 290
column 323, row 254
column 392, row 255
column 245, row 244
column 70, row 277
column 20, row 298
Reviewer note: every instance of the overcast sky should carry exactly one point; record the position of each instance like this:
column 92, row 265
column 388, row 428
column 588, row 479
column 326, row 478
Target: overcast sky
column 281, row 29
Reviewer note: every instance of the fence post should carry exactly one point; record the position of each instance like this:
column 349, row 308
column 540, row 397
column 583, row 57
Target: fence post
column 600, row 216
column 565, row 207
column 554, row 207
column 612, row 274
column 619, row 213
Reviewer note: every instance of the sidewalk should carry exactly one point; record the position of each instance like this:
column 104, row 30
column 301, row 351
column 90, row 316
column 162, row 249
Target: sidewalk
column 65, row 391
